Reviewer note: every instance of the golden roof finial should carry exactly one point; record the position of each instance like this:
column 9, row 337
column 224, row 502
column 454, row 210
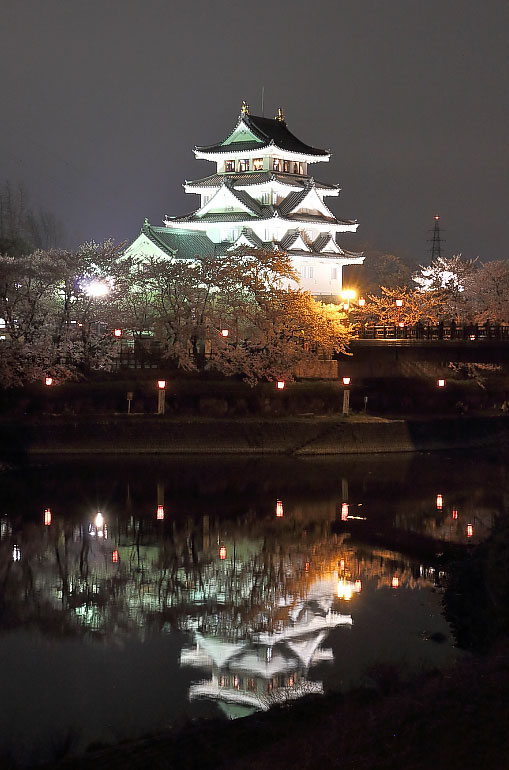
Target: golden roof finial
column 280, row 115
column 244, row 108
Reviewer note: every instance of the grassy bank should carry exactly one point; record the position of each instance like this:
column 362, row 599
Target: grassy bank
column 306, row 435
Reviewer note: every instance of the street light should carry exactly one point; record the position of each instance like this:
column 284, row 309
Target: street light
column 225, row 332
column 161, row 396
column 346, row 395
column 48, row 381
column 348, row 295
column 399, row 305
column 280, row 384
column 97, row 289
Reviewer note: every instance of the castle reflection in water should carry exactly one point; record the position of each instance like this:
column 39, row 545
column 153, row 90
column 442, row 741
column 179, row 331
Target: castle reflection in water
column 257, row 591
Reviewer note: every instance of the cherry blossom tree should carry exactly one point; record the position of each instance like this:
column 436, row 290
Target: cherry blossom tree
column 456, row 278
column 403, row 305
column 489, row 298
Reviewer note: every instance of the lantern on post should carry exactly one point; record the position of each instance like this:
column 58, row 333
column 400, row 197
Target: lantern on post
column 346, row 395
column 48, row 381
column 161, row 396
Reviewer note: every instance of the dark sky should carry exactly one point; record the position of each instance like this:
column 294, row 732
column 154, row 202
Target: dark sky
column 104, row 100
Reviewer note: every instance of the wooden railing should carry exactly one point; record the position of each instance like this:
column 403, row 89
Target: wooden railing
column 441, row 331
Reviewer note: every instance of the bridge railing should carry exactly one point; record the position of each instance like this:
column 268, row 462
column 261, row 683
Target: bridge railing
column 441, row 331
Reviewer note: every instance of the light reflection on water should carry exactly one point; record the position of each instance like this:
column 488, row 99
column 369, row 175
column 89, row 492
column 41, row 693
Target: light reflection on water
column 135, row 593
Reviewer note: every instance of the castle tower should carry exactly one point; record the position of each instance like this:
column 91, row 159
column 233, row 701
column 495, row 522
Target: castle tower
column 261, row 195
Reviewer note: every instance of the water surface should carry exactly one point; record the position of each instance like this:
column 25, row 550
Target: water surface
column 220, row 586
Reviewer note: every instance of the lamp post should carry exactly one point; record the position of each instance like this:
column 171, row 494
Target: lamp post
column 161, row 396
column 346, row 396
column 347, row 295
column 399, row 305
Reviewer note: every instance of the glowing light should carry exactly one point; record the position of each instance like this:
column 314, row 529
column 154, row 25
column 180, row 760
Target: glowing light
column 342, row 564
column 440, row 502
column 362, row 301
column 344, row 511
column 16, row 553
column 348, row 294
column 347, row 380
column 99, row 520
column 344, row 591
column 97, row 289
column 47, row 517
column 454, row 513
column 307, row 566
column 395, row 581
column 472, row 337
column 401, row 324
column 358, row 586
column 280, row 384
column 436, row 217
column 222, row 552
column 441, row 383
column 48, row 380
column 470, row 530
column 225, row 332
column 117, row 332
column 161, row 384
column 114, row 557
column 279, row 508
column 160, row 512
column 399, row 303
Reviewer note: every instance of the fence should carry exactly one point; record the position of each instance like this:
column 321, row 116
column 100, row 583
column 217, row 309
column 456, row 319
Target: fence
column 441, row 331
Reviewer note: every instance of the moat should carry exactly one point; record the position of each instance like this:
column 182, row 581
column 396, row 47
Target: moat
column 134, row 593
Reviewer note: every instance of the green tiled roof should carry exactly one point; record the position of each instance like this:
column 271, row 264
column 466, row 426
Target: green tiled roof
column 270, row 131
column 182, row 244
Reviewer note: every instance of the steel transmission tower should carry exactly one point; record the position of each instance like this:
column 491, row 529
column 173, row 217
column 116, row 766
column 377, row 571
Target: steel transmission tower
column 436, row 241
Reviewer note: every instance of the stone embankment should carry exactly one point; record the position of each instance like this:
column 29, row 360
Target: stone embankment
column 307, row 435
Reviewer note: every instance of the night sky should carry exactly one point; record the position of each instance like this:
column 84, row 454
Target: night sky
column 104, row 100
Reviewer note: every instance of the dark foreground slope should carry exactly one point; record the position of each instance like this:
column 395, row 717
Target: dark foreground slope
column 455, row 720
